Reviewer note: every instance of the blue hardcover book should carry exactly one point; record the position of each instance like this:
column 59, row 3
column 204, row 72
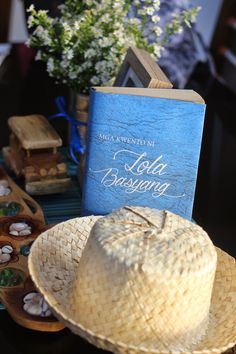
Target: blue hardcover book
column 143, row 149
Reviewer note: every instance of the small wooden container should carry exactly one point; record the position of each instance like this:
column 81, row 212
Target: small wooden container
column 17, row 249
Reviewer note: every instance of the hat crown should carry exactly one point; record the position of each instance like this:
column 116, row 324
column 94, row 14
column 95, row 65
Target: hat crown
column 149, row 270
column 151, row 240
column 150, row 314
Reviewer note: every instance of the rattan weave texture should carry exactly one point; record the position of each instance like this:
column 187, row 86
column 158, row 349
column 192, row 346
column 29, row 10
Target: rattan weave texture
column 53, row 265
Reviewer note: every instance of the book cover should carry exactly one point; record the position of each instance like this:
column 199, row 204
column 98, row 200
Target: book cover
column 142, row 150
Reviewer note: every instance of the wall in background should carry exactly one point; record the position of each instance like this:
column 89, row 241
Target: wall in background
column 17, row 28
column 207, row 17
column 206, row 20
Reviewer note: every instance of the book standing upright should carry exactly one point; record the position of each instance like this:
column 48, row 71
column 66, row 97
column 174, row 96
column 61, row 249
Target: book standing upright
column 143, row 149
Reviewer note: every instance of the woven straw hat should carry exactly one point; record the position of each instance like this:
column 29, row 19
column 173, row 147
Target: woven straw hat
column 80, row 290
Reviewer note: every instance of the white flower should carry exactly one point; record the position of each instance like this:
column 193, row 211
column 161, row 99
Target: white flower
column 134, row 21
column 50, row 65
column 90, row 53
column 117, row 6
column 43, row 35
column 68, row 33
column 106, row 18
column 142, row 12
column 97, row 32
column 180, row 30
column 94, row 80
column 155, row 19
column 105, row 42
column 28, row 42
column 77, row 25
column 30, row 21
column 110, row 64
column 157, row 30
column 73, row 75
column 65, row 63
column 100, row 66
column 104, row 78
column 150, row 10
column 38, row 55
column 86, row 65
column 39, row 31
column 157, row 51
column 31, row 8
column 156, row 4
column 91, row 37
column 69, row 54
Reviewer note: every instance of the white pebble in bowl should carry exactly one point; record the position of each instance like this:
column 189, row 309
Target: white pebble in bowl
column 20, row 229
column 47, row 313
column 32, row 309
column 14, row 233
column 29, row 296
column 25, row 232
column 4, row 257
column 34, row 304
column 7, row 249
column 4, row 191
column 18, row 226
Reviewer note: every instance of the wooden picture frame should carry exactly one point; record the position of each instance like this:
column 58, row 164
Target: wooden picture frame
column 139, row 69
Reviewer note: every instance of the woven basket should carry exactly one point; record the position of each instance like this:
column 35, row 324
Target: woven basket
column 53, row 264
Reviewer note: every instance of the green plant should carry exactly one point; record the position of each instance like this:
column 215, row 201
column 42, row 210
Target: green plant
column 87, row 44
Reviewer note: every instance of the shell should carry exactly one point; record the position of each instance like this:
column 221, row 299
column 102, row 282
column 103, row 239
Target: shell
column 44, row 306
column 25, row 232
column 34, row 304
column 14, row 233
column 32, row 309
column 37, row 299
column 18, row 226
column 47, row 313
column 29, row 297
column 4, row 191
column 5, row 258
column 7, row 249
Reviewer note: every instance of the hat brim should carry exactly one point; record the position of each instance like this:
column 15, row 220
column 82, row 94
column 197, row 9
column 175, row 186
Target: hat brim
column 53, row 262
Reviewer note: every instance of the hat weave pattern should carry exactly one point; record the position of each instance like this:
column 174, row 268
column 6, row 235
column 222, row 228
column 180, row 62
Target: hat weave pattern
column 54, row 263
column 149, row 273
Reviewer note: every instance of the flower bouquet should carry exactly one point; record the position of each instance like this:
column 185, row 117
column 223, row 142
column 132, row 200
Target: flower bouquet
column 86, row 45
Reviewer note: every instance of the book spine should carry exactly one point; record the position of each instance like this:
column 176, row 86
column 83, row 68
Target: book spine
column 92, row 104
